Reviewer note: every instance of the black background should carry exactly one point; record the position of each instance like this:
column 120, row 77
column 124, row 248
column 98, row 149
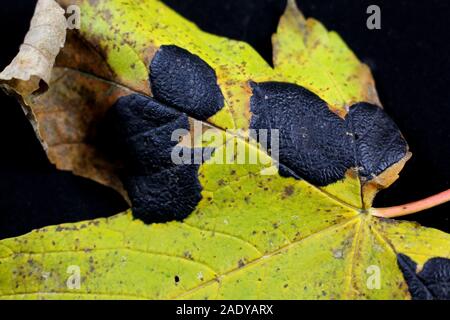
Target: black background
column 409, row 57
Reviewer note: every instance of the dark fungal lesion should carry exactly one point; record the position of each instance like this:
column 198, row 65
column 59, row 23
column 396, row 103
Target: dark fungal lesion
column 431, row 283
column 315, row 143
column 183, row 85
column 184, row 81
column 378, row 141
column 159, row 189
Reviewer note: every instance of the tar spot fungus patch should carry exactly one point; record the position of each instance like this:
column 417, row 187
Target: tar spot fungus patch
column 159, row 189
column 183, row 80
column 315, row 143
column 432, row 282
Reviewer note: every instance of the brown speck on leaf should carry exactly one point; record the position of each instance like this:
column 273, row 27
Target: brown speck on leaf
column 288, row 191
column 187, row 255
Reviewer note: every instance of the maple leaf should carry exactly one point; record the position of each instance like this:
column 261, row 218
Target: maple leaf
column 217, row 229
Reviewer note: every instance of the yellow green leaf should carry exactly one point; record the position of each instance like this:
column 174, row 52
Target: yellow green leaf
column 252, row 235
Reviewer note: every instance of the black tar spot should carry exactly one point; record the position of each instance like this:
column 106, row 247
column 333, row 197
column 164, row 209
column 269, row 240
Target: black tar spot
column 432, row 282
column 318, row 145
column 159, row 189
column 378, row 141
column 186, row 82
